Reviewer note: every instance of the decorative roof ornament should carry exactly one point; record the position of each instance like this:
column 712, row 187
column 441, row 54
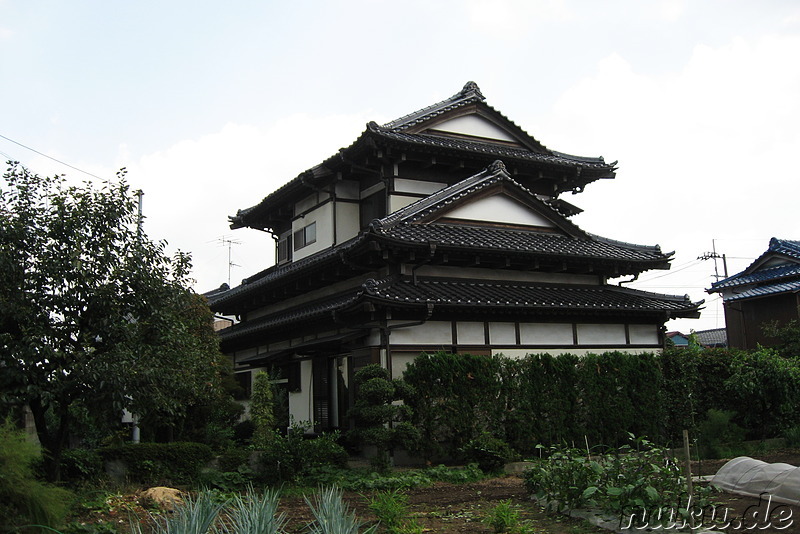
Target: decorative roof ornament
column 472, row 89
column 497, row 166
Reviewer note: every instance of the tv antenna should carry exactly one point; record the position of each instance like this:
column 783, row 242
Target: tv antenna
column 226, row 241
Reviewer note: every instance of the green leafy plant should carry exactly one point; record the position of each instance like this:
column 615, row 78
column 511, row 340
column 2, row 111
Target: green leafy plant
column 24, row 500
column 504, row 517
column 391, row 509
column 626, row 480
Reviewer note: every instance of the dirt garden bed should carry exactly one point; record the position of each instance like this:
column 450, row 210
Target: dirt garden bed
column 451, row 508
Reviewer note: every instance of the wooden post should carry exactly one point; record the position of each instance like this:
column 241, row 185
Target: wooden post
column 689, row 487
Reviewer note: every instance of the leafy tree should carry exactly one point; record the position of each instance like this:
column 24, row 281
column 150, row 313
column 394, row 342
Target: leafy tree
column 786, row 335
column 93, row 314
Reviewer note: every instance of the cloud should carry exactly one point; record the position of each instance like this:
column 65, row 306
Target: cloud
column 671, row 10
column 705, row 152
column 513, row 19
column 193, row 186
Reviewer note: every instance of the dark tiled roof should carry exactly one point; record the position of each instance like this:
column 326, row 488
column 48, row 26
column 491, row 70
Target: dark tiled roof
column 717, row 337
column 287, row 317
column 469, row 94
column 493, row 174
column 491, row 149
column 523, row 241
column 522, row 296
column 277, row 272
column 402, row 225
column 396, row 131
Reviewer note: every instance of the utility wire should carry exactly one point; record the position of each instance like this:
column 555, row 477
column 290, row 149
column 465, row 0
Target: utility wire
column 50, row 157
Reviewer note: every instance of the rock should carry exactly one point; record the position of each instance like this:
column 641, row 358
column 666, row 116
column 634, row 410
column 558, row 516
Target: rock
column 165, row 498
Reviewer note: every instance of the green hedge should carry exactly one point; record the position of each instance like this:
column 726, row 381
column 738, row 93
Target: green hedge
column 175, row 463
column 599, row 398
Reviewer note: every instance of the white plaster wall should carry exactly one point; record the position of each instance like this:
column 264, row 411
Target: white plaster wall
column 430, row 333
column 503, row 275
column 502, row 334
column 399, row 364
column 545, row 333
column 397, row 202
column 309, row 202
column 499, row 209
column 347, row 189
column 474, row 125
column 642, row 334
column 347, row 221
column 300, row 401
column 323, row 216
column 601, row 334
column 521, row 353
column 404, row 185
column 470, row 333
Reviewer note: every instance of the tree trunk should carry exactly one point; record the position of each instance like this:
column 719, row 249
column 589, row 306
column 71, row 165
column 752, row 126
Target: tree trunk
column 52, row 442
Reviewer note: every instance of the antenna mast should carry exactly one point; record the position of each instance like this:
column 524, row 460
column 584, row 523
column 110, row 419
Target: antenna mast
column 226, row 241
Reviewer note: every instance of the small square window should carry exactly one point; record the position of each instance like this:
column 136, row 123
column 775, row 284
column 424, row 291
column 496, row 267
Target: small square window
column 305, row 236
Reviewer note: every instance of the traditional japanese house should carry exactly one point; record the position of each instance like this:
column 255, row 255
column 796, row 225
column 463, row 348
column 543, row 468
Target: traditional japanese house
column 443, row 230
column 765, row 292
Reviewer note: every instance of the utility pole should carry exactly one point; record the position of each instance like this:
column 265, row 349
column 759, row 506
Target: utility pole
column 714, row 256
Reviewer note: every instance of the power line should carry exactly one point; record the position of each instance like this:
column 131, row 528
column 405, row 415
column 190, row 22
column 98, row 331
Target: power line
column 50, row 157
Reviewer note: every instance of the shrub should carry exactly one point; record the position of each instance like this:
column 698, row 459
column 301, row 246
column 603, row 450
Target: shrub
column 489, row 452
column 284, row 458
column 23, row 499
column 81, row 465
column 718, row 435
column 175, row 463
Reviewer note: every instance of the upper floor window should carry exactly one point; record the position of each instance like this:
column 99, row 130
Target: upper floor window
column 285, row 249
column 305, row 236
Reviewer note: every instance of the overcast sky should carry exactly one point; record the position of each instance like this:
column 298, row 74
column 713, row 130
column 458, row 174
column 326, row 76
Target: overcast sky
column 211, row 106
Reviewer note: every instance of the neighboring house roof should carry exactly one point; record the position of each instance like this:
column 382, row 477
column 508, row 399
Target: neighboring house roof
column 776, row 271
column 716, row 337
